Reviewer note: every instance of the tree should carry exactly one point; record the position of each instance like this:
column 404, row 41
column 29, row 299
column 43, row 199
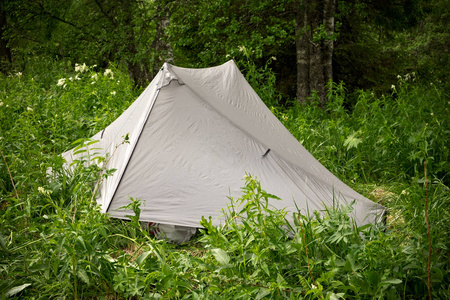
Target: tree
column 368, row 52
column 428, row 46
column 208, row 31
column 93, row 31
column 253, row 33
column 301, row 35
column 5, row 51
column 314, row 31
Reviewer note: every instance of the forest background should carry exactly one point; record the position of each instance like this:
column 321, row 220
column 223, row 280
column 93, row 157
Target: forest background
column 363, row 85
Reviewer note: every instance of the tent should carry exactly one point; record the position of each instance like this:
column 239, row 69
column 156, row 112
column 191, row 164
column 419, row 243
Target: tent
column 192, row 136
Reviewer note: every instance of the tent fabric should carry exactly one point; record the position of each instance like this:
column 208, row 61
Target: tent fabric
column 193, row 135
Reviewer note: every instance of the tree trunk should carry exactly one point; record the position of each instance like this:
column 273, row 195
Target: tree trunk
column 302, row 50
column 328, row 43
column 139, row 73
column 160, row 48
column 5, row 51
column 137, row 68
column 314, row 53
column 159, row 51
column 317, row 83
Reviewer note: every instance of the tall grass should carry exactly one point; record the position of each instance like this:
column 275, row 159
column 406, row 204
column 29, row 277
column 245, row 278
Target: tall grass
column 55, row 243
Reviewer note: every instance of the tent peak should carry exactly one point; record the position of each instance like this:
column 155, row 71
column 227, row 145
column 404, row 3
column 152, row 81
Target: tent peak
column 229, row 62
column 168, row 75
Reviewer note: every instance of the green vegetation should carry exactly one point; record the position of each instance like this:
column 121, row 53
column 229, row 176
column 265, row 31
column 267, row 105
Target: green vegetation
column 56, row 244
column 382, row 125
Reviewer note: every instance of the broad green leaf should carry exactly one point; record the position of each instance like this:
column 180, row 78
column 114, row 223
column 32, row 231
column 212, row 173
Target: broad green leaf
column 250, row 239
column 391, row 281
column 280, row 281
column 79, row 152
column 338, row 296
column 83, row 275
column 81, row 242
column 221, row 256
column 265, row 268
column 2, row 242
column 154, row 295
column 142, row 257
column 92, row 142
column 352, row 141
column 437, row 275
column 262, row 293
column 17, row 289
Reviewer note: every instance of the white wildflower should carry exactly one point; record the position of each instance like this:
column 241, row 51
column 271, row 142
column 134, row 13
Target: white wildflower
column 241, row 48
column 393, row 87
column 113, row 93
column 29, row 108
column 108, row 73
column 274, row 58
column 18, row 74
column 403, row 192
column 61, row 82
column 95, row 76
column 71, row 78
column 81, row 68
column 44, row 191
column 1, row 103
column 432, row 114
column 77, row 77
column 313, row 286
column 399, row 77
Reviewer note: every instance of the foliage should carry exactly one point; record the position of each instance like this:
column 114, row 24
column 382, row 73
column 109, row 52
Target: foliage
column 206, row 33
column 55, row 243
column 376, row 40
column 321, row 256
column 95, row 32
column 53, row 236
column 429, row 47
column 382, row 138
column 42, row 113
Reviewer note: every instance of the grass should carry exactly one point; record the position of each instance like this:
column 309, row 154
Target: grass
column 56, row 244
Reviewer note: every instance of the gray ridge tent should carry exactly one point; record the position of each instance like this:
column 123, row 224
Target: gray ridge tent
column 193, row 135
